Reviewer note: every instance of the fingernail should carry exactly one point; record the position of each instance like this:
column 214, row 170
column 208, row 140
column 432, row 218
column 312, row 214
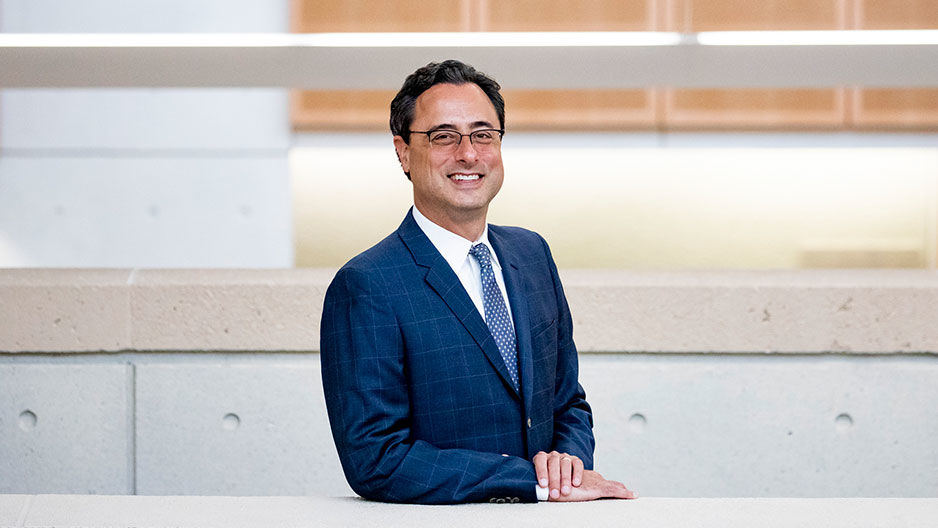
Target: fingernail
column 542, row 483
column 576, row 482
column 565, row 490
column 554, row 493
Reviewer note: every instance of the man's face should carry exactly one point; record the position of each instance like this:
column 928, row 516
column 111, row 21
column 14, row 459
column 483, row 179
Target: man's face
column 452, row 184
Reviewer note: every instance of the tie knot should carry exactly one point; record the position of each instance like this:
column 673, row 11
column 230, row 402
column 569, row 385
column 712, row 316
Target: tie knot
column 481, row 253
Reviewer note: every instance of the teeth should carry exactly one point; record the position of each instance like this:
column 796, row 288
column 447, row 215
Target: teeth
column 465, row 177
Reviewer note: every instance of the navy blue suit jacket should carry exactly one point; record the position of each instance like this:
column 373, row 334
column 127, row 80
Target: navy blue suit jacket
column 420, row 403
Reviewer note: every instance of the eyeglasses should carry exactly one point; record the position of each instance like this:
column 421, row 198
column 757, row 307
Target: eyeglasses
column 444, row 138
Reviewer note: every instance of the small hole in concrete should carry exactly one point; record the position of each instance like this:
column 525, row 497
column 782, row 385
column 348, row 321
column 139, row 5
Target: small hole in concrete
column 27, row 420
column 230, row 422
column 843, row 422
column 637, row 423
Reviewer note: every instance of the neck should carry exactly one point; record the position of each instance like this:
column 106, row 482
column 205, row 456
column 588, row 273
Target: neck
column 469, row 226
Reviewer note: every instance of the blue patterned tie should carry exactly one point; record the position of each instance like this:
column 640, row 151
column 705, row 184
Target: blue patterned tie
column 496, row 313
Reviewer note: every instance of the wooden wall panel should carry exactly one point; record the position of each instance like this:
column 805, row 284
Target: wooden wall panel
column 526, row 109
column 364, row 109
column 572, row 15
column 580, row 109
column 530, row 109
column 742, row 109
column 576, row 109
column 665, row 108
column 894, row 14
column 897, row 108
column 742, row 15
column 341, row 109
column 894, row 109
column 754, row 108
column 315, row 16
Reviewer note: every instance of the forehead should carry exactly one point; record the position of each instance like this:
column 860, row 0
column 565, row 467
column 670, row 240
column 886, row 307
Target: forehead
column 454, row 104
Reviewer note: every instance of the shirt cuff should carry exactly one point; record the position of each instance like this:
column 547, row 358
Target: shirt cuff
column 543, row 494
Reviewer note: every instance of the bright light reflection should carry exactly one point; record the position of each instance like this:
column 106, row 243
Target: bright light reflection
column 498, row 39
column 355, row 40
column 470, row 39
column 818, row 38
column 647, row 208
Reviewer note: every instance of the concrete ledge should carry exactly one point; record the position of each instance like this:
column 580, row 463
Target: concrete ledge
column 45, row 310
column 868, row 311
column 844, row 311
column 234, row 512
column 228, row 309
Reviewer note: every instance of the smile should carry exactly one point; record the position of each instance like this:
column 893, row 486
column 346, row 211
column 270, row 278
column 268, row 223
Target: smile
column 465, row 177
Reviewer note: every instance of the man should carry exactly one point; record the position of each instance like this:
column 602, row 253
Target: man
column 448, row 363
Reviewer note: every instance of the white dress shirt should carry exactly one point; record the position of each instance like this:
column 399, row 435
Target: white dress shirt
column 455, row 250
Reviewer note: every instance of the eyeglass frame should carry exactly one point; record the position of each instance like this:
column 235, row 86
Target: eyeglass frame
column 501, row 134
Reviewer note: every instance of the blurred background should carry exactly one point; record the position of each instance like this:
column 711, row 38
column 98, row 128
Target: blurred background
column 657, row 177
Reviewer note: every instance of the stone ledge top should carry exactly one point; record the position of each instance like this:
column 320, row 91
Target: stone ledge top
column 233, row 512
column 829, row 311
column 37, row 277
column 849, row 278
column 228, row 277
column 575, row 277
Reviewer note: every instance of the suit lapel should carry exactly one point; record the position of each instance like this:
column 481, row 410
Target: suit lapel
column 441, row 278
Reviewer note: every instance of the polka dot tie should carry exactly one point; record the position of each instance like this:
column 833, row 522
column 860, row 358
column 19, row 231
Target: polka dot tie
column 496, row 313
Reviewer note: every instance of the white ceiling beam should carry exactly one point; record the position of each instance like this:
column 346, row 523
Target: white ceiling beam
column 532, row 60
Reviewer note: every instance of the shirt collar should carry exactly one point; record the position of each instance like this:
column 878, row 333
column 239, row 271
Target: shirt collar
column 454, row 248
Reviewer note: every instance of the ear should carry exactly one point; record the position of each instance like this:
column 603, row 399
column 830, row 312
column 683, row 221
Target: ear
column 403, row 153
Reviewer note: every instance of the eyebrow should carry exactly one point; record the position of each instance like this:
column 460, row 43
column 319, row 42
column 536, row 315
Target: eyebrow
column 472, row 126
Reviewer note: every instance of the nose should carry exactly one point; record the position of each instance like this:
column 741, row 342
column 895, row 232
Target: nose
column 466, row 151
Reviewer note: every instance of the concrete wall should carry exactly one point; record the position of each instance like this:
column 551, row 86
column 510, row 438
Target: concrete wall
column 815, row 384
column 144, row 177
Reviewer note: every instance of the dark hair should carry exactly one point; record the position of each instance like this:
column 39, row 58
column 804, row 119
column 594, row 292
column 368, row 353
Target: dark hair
column 446, row 72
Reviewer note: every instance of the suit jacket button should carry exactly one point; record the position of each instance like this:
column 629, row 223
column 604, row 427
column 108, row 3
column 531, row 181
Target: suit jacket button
column 492, row 500
column 515, row 500
column 500, row 501
column 529, row 423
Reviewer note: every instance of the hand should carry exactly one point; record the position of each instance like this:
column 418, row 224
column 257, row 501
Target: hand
column 593, row 487
column 559, row 472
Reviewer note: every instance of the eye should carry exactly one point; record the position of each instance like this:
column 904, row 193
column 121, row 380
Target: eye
column 483, row 135
column 444, row 137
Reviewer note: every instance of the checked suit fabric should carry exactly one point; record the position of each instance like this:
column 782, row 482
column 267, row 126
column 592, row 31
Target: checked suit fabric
column 496, row 313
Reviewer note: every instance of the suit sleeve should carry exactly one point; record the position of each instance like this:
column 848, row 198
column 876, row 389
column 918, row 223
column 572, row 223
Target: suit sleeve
column 573, row 418
column 366, row 389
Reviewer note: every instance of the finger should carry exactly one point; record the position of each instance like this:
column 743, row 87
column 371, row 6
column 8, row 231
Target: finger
column 553, row 474
column 540, row 468
column 620, row 491
column 577, row 476
column 566, row 469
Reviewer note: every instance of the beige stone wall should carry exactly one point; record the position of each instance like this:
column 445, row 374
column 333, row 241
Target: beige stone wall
column 872, row 311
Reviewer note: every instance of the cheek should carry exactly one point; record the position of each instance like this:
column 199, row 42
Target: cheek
column 437, row 161
column 494, row 161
